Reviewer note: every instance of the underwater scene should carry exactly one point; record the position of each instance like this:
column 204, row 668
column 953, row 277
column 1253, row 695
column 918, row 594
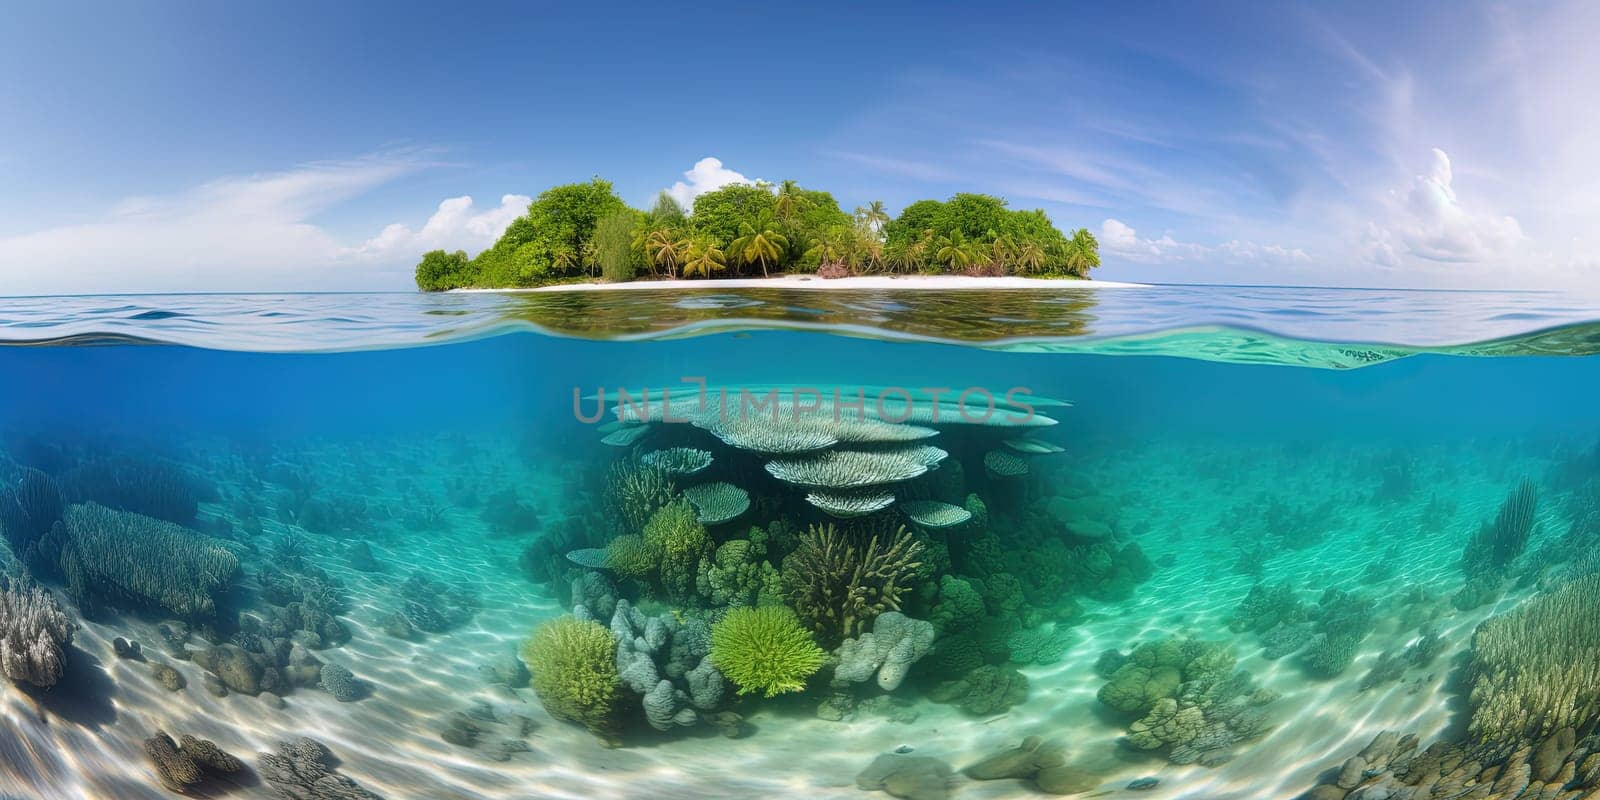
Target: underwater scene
column 1152, row 543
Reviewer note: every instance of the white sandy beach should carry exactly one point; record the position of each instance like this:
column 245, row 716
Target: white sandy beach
column 874, row 282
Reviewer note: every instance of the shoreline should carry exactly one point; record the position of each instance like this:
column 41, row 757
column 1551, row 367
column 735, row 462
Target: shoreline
column 812, row 282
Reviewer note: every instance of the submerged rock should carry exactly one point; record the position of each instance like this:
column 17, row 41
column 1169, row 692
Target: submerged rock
column 167, row 676
column 1023, row 761
column 908, row 777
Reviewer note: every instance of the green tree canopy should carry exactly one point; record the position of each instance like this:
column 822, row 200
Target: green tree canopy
column 550, row 241
column 723, row 213
column 439, row 271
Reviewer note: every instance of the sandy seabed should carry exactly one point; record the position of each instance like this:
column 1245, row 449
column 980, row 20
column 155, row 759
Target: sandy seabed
column 83, row 740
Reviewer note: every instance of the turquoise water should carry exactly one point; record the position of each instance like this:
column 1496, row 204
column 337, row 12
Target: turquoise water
column 1304, row 518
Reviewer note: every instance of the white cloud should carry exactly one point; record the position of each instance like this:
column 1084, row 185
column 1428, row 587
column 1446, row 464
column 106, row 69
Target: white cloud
column 247, row 233
column 1434, row 224
column 453, row 227
column 706, row 175
column 1121, row 240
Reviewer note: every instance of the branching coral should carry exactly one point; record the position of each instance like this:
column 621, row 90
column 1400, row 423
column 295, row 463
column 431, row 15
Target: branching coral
column 764, row 650
column 573, row 664
column 675, row 533
column 1536, row 668
column 633, row 493
column 838, row 586
column 121, row 556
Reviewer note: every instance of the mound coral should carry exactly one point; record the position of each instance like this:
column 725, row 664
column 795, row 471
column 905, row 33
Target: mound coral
column 985, row 690
column 182, row 764
column 303, row 769
column 573, row 664
column 119, row 556
column 33, row 631
column 1187, row 698
column 838, row 586
column 764, row 650
column 675, row 532
column 895, row 643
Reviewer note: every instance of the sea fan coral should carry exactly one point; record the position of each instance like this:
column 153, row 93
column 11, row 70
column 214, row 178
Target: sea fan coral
column 121, row 556
column 764, row 650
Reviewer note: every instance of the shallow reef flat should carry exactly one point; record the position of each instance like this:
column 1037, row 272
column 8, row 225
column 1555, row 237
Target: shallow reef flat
column 1216, row 619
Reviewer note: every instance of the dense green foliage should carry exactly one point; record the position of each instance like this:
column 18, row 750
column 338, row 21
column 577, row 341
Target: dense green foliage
column 584, row 229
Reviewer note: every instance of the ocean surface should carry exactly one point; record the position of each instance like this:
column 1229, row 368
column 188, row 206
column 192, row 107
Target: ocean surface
column 784, row 543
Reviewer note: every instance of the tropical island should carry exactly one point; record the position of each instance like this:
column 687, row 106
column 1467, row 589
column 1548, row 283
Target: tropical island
column 583, row 232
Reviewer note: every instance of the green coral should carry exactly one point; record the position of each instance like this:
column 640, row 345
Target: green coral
column 1167, row 723
column 764, row 650
column 1156, row 670
column 736, row 575
column 573, row 670
column 631, row 557
column 674, row 531
column 983, row 691
column 959, row 605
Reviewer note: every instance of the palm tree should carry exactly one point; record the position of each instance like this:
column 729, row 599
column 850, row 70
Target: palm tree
column 788, row 203
column 872, row 215
column 704, row 258
column 912, row 256
column 663, row 249
column 762, row 246
column 1083, row 253
column 954, row 252
column 1030, row 256
column 1001, row 251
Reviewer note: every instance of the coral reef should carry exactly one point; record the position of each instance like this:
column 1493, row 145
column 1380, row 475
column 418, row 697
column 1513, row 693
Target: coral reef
column 1536, row 668
column 28, row 509
column 738, row 575
column 676, row 535
column 433, row 607
column 183, row 764
column 838, row 586
column 888, row 651
column 33, row 631
column 1187, row 697
column 764, row 650
column 718, row 502
column 303, row 769
column 1562, row 765
column 118, row 556
column 665, row 662
column 633, row 493
column 1490, row 552
column 139, row 486
column 573, row 664
column 988, row 689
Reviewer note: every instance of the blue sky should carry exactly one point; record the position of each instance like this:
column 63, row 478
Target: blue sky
column 166, row 146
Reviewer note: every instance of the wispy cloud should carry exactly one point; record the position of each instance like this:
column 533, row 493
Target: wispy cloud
column 252, row 232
